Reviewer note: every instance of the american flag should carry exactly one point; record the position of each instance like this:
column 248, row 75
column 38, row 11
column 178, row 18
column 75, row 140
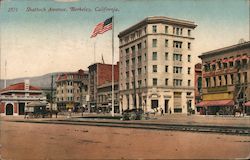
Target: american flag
column 102, row 27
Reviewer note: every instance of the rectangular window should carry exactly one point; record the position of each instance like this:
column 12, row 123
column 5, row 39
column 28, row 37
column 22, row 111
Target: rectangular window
column 166, row 68
column 139, row 47
column 127, row 63
column 127, row 51
column 154, row 68
column 145, row 44
column 166, row 29
column 139, row 71
column 139, row 59
column 189, row 82
column 127, row 74
column 166, row 42
column 139, row 83
column 189, row 32
column 220, row 81
column 154, row 43
column 177, row 82
column 166, row 82
column 224, row 65
column 127, row 85
column 225, row 77
column 177, row 31
column 145, row 56
column 177, row 57
column 214, row 78
column 245, row 77
column 189, row 58
column 154, row 56
column 207, row 82
column 232, row 78
column 177, row 70
column 154, row 29
column 133, row 61
column 166, row 55
column 154, row 81
column 177, row 44
column 189, row 69
column 189, row 45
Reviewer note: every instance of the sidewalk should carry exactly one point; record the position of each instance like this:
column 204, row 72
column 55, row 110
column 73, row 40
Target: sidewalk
column 166, row 119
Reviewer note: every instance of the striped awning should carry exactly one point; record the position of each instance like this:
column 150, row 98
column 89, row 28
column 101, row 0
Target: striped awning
column 247, row 104
column 215, row 103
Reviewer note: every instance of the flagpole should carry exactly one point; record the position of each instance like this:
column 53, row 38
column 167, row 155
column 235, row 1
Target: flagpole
column 113, row 113
column 94, row 51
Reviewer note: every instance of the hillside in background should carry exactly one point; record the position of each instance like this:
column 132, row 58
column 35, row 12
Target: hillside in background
column 43, row 81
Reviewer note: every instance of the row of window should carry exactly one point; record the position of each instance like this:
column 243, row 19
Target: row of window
column 176, row 82
column 221, row 65
column 176, row 44
column 68, row 99
column 224, row 80
column 176, row 69
column 176, row 57
column 140, row 32
column 176, row 30
column 69, row 91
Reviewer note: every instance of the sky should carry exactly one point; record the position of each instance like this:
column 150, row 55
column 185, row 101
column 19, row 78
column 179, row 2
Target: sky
column 41, row 41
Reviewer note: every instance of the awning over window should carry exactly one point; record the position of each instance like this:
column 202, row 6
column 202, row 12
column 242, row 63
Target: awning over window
column 247, row 104
column 215, row 103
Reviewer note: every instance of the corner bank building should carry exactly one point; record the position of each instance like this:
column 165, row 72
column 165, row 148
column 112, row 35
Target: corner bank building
column 156, row 68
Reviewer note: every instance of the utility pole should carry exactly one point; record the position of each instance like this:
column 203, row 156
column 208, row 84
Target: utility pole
column 81, row 105
column 51, row 95
column 134, row 92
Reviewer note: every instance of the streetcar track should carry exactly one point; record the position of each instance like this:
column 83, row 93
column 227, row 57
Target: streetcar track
column 234, row 130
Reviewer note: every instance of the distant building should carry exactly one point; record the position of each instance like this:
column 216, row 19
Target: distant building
column 100, row 86
column 156, row 69
column 104, row 97
column 71, row 90
column 226, row 79
column 198, row 84
column 14, row 98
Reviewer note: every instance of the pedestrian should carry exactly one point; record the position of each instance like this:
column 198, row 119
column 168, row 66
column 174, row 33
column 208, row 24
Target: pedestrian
column 170, row 111
column 162, row 112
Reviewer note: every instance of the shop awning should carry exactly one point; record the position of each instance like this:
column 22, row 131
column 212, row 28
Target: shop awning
column 247, row 104
column 36, row 104
column 215, row 103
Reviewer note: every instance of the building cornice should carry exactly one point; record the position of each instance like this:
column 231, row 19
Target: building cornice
column 245, row 45
column 158, row 19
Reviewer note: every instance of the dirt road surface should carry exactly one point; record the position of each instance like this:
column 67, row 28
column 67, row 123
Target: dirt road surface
column 48, row 141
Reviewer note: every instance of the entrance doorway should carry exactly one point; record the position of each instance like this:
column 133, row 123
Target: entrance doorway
column 9, row 109
column 154, row 104
column 166, row 106
column 21, row 108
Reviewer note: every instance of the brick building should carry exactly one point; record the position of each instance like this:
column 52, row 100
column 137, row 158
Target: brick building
column 14, row 98
column 198, row 84
column 226, row 79
column 100, row 85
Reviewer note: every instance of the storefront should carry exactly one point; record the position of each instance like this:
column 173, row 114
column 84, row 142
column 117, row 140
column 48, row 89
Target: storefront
column 222, row 107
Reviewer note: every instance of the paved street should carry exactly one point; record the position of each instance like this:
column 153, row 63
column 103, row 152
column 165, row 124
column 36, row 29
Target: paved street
column 50, row 141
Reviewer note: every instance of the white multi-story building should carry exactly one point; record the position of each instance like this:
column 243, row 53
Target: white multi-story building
column 156, row 65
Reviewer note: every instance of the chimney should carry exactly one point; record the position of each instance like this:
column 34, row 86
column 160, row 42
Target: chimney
column 26, row 84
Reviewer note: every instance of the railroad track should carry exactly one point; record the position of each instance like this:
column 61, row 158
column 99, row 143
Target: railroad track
column 233, row 130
